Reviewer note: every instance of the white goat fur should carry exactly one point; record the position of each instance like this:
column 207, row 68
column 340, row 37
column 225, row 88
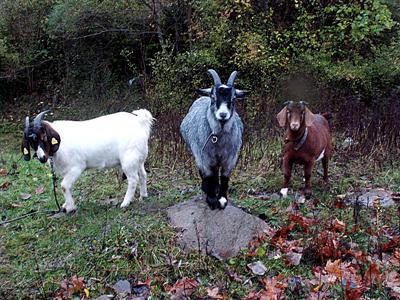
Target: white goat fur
column 119, row 139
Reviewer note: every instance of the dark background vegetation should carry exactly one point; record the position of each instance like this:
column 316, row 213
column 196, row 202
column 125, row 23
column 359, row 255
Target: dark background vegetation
column 77, row 57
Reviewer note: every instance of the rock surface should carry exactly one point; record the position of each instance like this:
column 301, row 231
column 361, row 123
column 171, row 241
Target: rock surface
column 366, row 196
column 220, row 233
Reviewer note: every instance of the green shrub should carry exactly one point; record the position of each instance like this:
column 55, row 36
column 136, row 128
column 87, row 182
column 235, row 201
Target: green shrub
column 167, row 46
column 23, row 40
column 176, row 77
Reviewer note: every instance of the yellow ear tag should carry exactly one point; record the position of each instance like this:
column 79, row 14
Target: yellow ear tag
column 54, row 141
column 26, row 152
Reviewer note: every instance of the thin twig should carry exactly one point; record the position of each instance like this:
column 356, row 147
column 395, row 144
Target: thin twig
column 31, row 213
column 122, row 30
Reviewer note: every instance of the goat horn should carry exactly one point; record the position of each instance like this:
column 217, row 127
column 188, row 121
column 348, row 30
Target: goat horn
column 26, row 128
column 303, row 104
column 232, row 78
column 37, row 122
column 215, row 76
column 287, row 103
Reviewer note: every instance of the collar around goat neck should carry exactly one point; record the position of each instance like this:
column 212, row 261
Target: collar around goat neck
column 214, row 139
column 301, row 140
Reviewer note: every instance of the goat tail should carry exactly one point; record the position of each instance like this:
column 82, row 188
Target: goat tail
column 327, row 115
column 145, row 117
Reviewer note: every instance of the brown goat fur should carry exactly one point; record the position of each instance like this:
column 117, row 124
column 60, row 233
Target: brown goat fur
column 46, row 137
column 307, row 138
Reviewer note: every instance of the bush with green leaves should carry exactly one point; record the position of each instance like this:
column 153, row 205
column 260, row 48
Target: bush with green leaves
column 167, row 46
column 24, row 42
column 175, row 78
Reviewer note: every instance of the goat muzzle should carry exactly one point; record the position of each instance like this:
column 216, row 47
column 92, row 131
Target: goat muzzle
column 294, row 126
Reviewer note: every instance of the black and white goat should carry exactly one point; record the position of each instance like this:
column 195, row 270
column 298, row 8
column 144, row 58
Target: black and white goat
column 213, row 131
column 119, row 139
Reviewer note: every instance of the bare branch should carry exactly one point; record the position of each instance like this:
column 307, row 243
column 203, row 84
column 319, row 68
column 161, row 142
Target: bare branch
column 126, row 31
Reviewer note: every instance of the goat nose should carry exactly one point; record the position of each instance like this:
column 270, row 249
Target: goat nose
column 223, row 115
column 295, row 126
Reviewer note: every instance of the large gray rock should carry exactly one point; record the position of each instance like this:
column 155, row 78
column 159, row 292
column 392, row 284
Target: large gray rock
column 221, row 233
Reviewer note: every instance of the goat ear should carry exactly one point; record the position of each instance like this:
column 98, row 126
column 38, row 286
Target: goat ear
column 309, row 117
column 25, row 149
column 52, row 137
column 204, row 92
column 241, row 94
column 281, row 117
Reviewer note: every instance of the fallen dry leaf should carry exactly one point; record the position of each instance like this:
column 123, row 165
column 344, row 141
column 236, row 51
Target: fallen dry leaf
column 395, row 292
column 304, row 222
column 372, row 274
column 293, row 258
column 25, row 196
column 183, row 288
column 318, row 296
column 338, row 226
column 333, row 268
column 322, row 277
column 233, row 275
column 39, row 190
column 354, row 293
column 252, row 296
column 69, row 287
column 257, row 268
column 392, row 280
column 3, row 172
column 4, row 185
column 395, row 260
column 274, row 288
column 214, row 293
column 282, row 233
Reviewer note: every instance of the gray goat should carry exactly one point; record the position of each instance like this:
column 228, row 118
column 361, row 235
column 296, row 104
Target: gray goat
column 213, row 131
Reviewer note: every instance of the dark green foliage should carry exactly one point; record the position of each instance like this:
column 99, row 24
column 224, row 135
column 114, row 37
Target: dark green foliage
column 167, row 46
column 347, row 47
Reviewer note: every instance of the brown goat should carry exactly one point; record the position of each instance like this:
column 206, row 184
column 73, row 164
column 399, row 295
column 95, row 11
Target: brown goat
column 307, row 140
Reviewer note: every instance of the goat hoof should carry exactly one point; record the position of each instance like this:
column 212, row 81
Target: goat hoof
column 68, row 210
column 223, row 202
column 307, row 193
column 284, row 192
column 124, row 205
column 212, row 202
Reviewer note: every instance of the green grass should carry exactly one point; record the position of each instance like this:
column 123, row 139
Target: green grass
column 103, row 243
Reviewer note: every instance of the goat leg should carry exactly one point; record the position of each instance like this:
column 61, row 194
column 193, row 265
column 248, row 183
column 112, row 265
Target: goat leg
column 325, row 166
column 142, row 181
column 210, row 186
column 133, row 178
column 287, row 172
column 223, row 191
column 66, row 185
column 308, row 167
